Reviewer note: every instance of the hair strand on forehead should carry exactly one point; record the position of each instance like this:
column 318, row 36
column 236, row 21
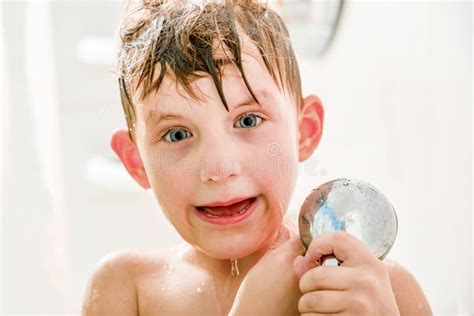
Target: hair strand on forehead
column 190, row 39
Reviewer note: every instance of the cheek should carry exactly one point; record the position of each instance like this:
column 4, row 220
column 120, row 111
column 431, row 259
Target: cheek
column 168, row 179
column 282, row 177
column 276, row 170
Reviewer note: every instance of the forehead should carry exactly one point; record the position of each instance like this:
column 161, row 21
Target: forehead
column 172, row 97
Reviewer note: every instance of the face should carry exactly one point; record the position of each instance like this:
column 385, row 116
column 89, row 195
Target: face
column 195, row 153
column 205, row 155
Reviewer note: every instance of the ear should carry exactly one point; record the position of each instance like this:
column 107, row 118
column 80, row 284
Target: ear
column 128, row 153
column 310, row 121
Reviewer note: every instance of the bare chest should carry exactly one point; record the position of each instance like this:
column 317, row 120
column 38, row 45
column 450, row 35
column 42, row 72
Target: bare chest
column 178, row 293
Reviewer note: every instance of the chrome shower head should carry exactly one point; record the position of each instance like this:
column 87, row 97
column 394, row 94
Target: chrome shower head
column 352, row 206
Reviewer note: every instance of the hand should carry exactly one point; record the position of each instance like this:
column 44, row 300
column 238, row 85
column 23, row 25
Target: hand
column 271, row 286
column 359, row 286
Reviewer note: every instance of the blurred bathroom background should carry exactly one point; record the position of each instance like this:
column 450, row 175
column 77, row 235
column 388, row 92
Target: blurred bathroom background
column 395, row 78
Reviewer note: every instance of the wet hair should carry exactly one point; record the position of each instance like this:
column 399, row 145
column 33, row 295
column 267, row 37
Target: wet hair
column 189, row 39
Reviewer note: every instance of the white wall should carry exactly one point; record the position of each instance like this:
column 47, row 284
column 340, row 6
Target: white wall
column 397, row 86
column 397, row 89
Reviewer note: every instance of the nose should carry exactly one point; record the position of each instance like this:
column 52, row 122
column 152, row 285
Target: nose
column 219, row 159
column 219, row 169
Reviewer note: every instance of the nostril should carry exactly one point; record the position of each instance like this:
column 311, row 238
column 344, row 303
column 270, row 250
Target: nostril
column 214, row 178
column 220, row 170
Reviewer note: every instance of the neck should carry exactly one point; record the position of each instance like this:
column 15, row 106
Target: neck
column 226, row 285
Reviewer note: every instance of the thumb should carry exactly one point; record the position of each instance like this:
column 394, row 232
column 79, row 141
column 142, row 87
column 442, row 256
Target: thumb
column 287, row 243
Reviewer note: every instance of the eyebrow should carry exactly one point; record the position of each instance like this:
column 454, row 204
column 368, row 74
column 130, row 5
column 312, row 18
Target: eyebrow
column 261, row 95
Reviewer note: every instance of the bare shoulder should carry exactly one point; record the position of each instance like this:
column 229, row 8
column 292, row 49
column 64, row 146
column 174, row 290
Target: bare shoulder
column 111, row 290
column 408, row 293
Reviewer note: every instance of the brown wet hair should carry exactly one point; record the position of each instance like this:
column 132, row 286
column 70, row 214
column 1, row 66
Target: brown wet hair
column 193, row 39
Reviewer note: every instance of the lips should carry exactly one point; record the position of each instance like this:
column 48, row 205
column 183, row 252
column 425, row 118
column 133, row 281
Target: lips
column 228, row 209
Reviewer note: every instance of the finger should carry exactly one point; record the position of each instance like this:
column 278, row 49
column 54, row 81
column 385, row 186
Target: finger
column 301, row 265
column 289, row 245
column 293, row 247
column 325, row 314
column 319, row 314
column 327, row 278
column 323, row 302
column 349, row 250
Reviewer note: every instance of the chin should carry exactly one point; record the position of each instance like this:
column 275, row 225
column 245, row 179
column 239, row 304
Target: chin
column 236, row 246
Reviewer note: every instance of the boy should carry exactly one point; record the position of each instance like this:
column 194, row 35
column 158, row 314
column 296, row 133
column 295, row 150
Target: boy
column 217, row 125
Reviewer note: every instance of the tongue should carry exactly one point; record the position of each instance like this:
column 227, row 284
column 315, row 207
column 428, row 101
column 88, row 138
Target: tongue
column 227, row 210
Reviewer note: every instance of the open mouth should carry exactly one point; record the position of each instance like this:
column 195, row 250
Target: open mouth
column 231, row 210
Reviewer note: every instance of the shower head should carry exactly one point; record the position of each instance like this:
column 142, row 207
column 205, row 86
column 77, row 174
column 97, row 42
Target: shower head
column 352, row 206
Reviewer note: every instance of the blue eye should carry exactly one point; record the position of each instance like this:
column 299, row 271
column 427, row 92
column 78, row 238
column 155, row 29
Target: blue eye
column 249, row 120
column 176, row 135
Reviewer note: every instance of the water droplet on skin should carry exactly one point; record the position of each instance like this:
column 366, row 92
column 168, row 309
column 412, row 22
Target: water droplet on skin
column 234, row 268
column 163, row 289
column 199, row 290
